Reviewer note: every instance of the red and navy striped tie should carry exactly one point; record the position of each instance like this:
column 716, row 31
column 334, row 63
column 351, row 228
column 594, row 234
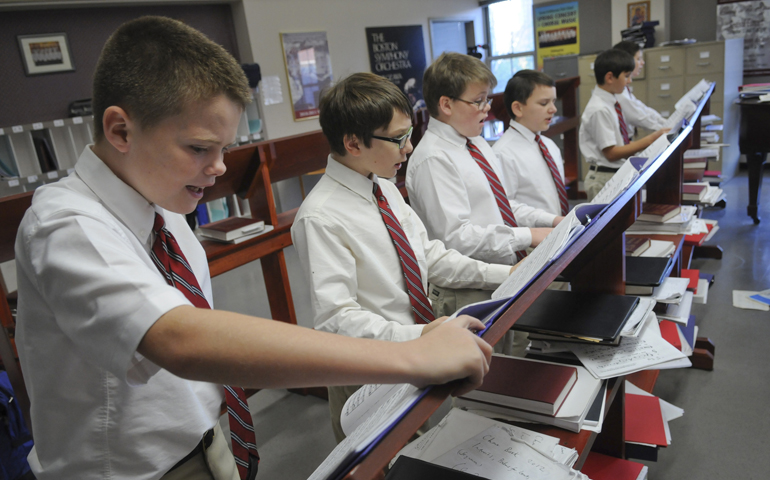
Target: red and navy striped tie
column 555, row 174
column 171, row 262
column 423, row 312
column 622, row 121
column 497, row 190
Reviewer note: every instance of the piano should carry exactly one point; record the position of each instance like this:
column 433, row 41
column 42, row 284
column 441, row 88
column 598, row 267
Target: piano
column 754, row 142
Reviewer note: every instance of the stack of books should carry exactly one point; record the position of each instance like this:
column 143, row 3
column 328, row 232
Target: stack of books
column 665, row 219
column 702, row 193
column 233, row 229
column 643, row 274
column 643, row 34
column 658, row 212
column 754, row 90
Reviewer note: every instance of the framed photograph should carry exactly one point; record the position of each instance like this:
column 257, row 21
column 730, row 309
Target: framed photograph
column 47, row 53
column 638, row 12
column 308, row 71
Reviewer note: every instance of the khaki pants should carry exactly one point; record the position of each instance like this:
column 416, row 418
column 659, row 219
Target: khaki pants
column 447, row 301
column 216, row 463
column 594, row 182
column 337, row 398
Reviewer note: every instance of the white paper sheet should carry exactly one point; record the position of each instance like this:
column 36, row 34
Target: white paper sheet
column 617, row 184
column 632, row 355
column 741, row 300
column 672, row 290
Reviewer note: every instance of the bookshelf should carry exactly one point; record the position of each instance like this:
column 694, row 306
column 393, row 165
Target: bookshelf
column 596, row 263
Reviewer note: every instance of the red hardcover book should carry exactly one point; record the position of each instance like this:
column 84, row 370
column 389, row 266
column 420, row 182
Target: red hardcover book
column 694, row 192
column 644, row 420
column 693, row 276
column 657, row 212
column 603, row 467
column 670, row 333
column 695, row 162
column 232, row 228
column 698, row 238
column 526, row 384
column 712, row 173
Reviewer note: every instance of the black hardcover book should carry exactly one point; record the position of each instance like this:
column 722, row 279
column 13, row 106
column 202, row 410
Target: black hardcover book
column 578, row 314
column 408, row 468
column 649, row 271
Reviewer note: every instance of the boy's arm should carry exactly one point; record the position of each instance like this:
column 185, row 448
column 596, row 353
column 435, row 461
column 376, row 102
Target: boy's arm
column 437, row 193
column 330, row 268
column 638, row 114
column 618, row 152
column 230, row 348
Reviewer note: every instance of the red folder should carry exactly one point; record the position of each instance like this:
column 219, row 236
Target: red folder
column 604, row 467
column 693, row 276
column 670, row 333
column 644, row 420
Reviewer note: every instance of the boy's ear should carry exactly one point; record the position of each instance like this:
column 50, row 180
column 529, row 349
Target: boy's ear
column 117, row 126
column 516, row 109
column 445, row 105
column 609, row 77
column 352, row 145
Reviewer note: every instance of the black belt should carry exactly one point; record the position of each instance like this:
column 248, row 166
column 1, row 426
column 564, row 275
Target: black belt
column 598, row 168
column 205, row 443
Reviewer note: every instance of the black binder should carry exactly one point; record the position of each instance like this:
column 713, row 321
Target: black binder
column 647, row 271
column 408, row 468
column 578, row 314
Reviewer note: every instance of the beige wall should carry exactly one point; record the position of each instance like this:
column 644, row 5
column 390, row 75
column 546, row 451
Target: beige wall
column 344, row 22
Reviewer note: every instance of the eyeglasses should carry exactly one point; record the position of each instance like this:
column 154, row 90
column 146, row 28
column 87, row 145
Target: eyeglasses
column 401, row 141
column 479, row 104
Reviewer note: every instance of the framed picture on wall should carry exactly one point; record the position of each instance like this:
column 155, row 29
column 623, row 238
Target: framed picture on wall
column 308, row 71
column 47, row 53
column 638, row 12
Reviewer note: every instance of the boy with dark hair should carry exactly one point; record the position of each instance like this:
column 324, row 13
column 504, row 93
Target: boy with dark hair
column 603, row 137
column 636, row 113
column 364, row 250
column 532, row 163
column 123, row 356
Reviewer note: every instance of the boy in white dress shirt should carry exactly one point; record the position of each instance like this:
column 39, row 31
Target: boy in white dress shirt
column 123, row 357
column 635, row 112
column 532, row 163
column 603, row 137
column 364, row 251
column 454, row 179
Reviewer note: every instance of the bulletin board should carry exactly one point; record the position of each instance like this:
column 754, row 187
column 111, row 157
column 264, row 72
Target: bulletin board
column 749, row 20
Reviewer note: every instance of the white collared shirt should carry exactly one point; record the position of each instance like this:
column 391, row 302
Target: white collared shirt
column 637, row 114
column 357, row 285
column 88, row 292
column 452, row 196
column 600, row 128
column 528, row 175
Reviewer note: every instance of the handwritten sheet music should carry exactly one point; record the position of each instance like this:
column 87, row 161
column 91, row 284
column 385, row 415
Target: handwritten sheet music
column 496, row 454
column 632, row 355
column 458, row 426
column 365, row 401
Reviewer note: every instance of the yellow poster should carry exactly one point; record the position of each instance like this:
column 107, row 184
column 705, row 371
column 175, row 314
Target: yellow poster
column 556, row 31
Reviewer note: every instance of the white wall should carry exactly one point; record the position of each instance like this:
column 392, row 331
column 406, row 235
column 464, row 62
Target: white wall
column 659, row 10
column 344, row 22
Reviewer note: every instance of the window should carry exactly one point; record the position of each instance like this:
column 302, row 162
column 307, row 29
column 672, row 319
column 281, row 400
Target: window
column 511, row 39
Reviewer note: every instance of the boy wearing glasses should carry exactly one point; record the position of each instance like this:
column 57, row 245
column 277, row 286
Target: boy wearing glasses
column 365, row 252
column 454, row 179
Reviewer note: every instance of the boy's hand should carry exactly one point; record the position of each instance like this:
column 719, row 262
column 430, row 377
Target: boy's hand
column 452, row 351
column 656, row 134
column 539, row 234
column 557, row 220
column 513, row 268
column 435, row 323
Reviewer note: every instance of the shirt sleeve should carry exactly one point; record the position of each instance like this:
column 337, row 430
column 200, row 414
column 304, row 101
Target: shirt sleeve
column 446, row 211
column 451, row 269
column 638, row 114
column 331, row 271
column 603, row 125
column 105, row 296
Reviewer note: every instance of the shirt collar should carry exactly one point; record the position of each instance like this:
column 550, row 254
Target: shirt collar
column 524, row 131
column 605, row 96
column 128, row 205
column 447, row 132
column 350, row 179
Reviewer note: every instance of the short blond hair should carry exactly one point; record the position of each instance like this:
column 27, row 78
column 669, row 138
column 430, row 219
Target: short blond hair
column 153, row 67
column 450, row 75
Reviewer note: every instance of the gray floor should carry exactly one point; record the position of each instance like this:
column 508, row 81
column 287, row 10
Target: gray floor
column 723, row 434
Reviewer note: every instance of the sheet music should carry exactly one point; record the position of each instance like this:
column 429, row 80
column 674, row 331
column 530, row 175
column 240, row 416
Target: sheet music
column 363, row 403
column 672, row 290
column 685, row 110
column 694, row 94
column 617, row 184
column 638, row 317
column 656, row 148
column 632, row 355
column 679, row 313
column 550, row 248
column 496, row 454
column 458, row 426
column 398, row 402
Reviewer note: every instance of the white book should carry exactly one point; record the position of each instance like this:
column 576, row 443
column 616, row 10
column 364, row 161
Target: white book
column 702, row 292
column 659, row 248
